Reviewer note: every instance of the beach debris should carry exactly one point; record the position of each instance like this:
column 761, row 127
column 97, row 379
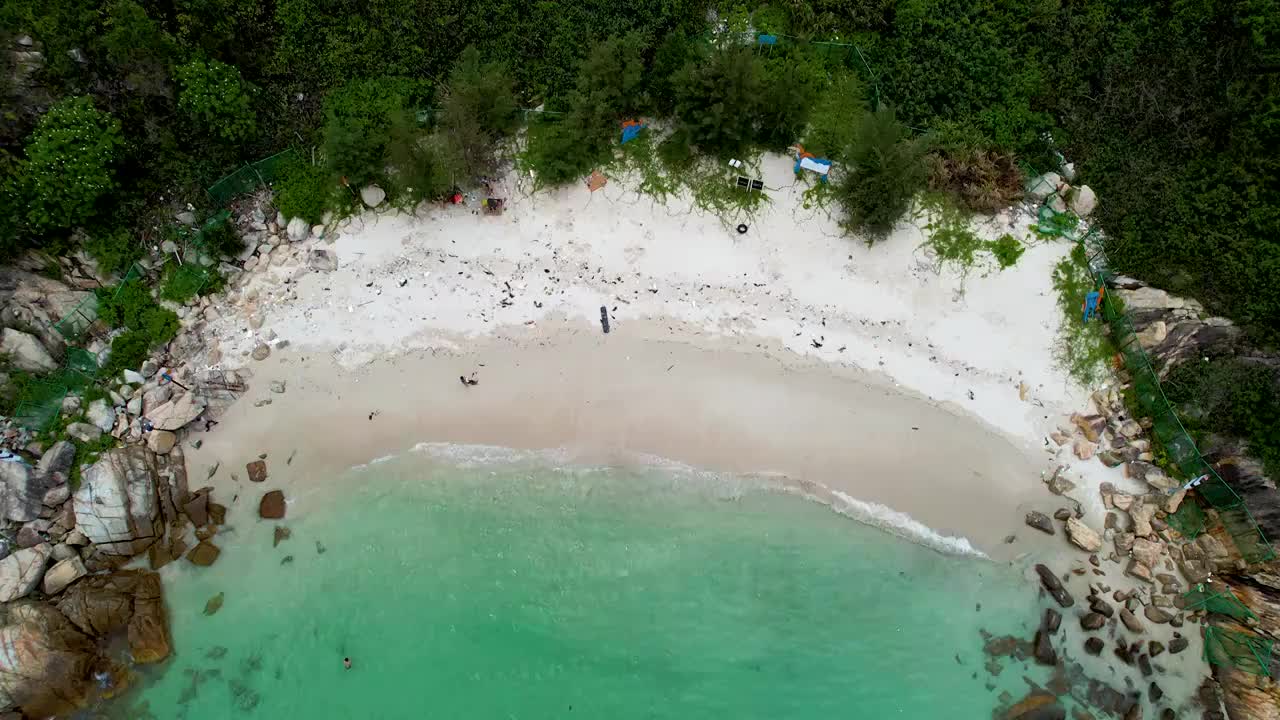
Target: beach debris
column 277, row 387
column 1040, row 521
column 286, row 559
column 291, row 456
column 217, row 652
column 214, row 605
column 1038, row 705
column 272, row 505
column 320, row 548
column 1082, row 536
column 257, row 470
column 204, row 554
column 1053, row 586
column 282, row 533
column 262, row 403
column 468, row 381
column 1059, row 485
column 261, row 352
column 604, row 319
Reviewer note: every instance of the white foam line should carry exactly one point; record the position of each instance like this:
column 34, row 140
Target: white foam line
column 873, row 514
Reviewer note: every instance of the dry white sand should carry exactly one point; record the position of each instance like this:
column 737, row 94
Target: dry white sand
column 902, row 395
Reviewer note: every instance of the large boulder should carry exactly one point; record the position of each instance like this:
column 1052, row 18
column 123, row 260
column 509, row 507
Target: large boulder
column 101, row 415
column 45, row 663
column 35, row 304
column 116, row 506
column 25, row 352
column 20, row 495
column 272, row 506
column 53, row 472
column 58, row 577
column 177, row 413
column 21, row 572
column 126, row 599
column 1083, row 200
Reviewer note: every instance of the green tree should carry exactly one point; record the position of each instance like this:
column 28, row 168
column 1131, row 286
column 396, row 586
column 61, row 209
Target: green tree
column 479, row 109
column 836, row 115
column 217, row 98
column 358, row 120
column 137, row 47
column 69, row 163
column 717, row 98
column 885, row 171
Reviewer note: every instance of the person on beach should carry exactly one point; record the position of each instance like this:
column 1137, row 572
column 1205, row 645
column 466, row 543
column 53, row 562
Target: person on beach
column 346, row 663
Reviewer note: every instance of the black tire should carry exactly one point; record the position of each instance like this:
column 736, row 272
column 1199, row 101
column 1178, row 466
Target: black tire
column 742, row 228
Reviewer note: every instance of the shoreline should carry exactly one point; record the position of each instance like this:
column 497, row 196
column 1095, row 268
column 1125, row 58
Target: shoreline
column 617, row 398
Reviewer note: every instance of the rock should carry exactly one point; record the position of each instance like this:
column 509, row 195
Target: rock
column 217, row 513
column 257, row 470
column 25, row 352
column 322, row 260
column 54, row 471
column 161, row 442
column 1040, row 188
column 372, row 195
column 1174, row 501
column 1177, row 645
column 75, row 538
column 317, row 231
column 197, row 509
column 116, row 506
column 1043, row 649
column 62, row 551
column 101, row 415
column 101, row 605
column 22, row 571
column 214, row 604
column 204, row 553
column 177, row 414
column 1147, row 552
column 45, row 663
column 1102, row 607
column 134, row 406
column 1084, row 449
column 1053, row 586
column 1082, row 201
column 1051, row 620
column 1155, row 648
column 1138, row 570
column 1062, row 514
column 282, row 533
column 1039, row 705
column 1141, row 514
column 1040, row 521
column 1157, row 615
column 133, row 377
column 1122, row 501
column 1083, row 537
column 33, row 533
column 1091, row 426
column 277, row 386
column 261, row 352
column 1124, row 542
column 297, row 229
column 20, row 494
column 1059, row 485
column 1093, row 645
column 1131, row 622
column 63, row 574
column 186, row 217
column 1092, row 621
column 272, row 505
column 154, row 397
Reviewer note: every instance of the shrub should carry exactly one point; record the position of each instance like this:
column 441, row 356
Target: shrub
column 1230, row 395
column 1007, row 249
column 129, row 350
column 886, row 170
column 217, row 98
column 69, row 163
column 114, row 250
column 416, row 163
column 220, row 236
column 479, row 109
column 304, row 191
column 130, row 306
column 137, row 47
column 793, row 80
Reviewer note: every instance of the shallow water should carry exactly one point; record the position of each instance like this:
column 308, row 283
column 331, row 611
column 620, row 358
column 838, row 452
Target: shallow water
column 520, row 592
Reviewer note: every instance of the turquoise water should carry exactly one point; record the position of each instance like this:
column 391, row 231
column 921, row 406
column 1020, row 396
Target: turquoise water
column 516, row 592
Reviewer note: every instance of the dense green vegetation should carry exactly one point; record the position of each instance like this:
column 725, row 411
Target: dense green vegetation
column 1169, row 110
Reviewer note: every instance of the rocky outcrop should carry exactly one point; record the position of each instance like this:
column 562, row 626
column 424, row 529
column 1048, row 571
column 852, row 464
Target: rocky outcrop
column 117, row 507
column 25, row 491
column 126, row 600
column 45, row 663
column 26, row 352
column 34, row 304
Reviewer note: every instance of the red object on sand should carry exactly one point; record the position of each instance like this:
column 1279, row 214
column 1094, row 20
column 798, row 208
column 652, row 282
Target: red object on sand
column 457, row 198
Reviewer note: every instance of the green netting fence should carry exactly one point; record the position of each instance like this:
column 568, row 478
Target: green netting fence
column 1180, row 449
column 1242, row 651
column 251, row 177
column 195, row 269
column 1217, row 599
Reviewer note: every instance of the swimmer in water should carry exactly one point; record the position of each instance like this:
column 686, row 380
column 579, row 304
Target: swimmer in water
column 346, row 663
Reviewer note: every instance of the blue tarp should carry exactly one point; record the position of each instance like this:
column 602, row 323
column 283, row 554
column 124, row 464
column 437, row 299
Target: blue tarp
column 629, row 132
